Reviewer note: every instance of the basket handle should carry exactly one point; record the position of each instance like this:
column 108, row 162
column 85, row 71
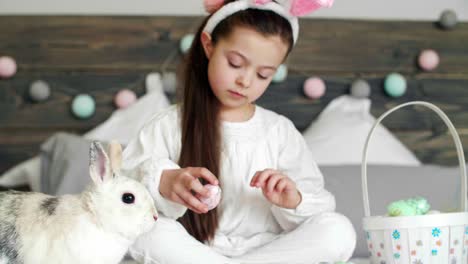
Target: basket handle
column 455, row 136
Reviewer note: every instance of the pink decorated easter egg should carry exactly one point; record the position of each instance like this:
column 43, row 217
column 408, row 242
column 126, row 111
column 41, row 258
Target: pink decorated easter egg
column 428, row 60
column 124, row 98
column 214, row 197
column 7, row 67
column 314, row 87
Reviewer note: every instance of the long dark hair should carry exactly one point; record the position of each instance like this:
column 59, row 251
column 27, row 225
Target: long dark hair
column 201, row 135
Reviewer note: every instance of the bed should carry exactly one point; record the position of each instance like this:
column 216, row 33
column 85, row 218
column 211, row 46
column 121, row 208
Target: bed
column 102, row 55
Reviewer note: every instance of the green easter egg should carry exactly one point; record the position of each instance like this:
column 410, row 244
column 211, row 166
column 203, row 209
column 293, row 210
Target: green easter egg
column 83, row 106
column 186, row 43
column 421, row 205
column 395, row 85
column 401, row 208
column 280, row 74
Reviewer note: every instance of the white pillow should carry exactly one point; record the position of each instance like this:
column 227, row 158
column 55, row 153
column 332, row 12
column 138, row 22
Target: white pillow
column 338, row 136
column 122, row 125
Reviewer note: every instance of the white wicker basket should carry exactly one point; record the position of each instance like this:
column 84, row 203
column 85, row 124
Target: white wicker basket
column 434, row 238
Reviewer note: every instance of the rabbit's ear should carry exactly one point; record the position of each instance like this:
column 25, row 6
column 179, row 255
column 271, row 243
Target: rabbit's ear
column 115, row 153
column 99, row 164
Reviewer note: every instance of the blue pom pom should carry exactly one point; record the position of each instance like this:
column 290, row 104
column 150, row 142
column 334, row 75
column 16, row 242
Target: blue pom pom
column 83, row 106
column 395, row 85
column 280, row 74
column 186, row 43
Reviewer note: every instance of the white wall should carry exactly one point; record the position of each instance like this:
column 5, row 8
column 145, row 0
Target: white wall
column 357, row 9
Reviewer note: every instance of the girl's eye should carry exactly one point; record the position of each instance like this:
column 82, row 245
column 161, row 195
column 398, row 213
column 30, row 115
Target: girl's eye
column 234, row 65
column 262, row 77
column 128, row 198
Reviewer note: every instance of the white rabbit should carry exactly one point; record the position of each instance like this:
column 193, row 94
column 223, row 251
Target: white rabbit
column 96, row 226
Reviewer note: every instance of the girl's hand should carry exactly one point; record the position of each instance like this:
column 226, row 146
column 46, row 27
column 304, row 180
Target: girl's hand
column 181, row 185
column 278, row 188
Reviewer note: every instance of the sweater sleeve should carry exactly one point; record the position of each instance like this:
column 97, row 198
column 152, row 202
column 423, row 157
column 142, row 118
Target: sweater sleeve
column 296, row 161
column 147, row 155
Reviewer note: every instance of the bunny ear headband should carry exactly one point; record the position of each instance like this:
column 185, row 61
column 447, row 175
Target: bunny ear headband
column 289, row 9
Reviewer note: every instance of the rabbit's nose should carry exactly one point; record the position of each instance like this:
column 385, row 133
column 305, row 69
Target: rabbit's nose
column 155, row 218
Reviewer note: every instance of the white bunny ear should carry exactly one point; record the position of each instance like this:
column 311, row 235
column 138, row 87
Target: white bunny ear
column 99, row 164
column 115, row 153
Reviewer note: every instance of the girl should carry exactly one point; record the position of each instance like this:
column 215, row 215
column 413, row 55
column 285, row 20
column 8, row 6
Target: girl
column 274, row 207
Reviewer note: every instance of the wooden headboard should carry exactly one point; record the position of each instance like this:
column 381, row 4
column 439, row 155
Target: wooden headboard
column 101, row 55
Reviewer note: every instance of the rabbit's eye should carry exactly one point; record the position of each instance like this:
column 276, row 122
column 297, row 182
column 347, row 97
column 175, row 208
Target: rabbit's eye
column 128, row 198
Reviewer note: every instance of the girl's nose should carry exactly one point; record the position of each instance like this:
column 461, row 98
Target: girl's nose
column 244, row 79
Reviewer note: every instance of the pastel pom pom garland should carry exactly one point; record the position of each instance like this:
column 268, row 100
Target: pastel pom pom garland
column 83, row 106
column 39, row 91
column 124, row 98
column 448, row 19
column 7, row 67
column 214, row 197
column 280, row 74
column 314, row 87
column 428, row 60
column 360, row 89
column 186, row 43
column 395, row 85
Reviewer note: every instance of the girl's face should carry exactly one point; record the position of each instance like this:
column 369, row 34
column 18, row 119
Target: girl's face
column 241, row 66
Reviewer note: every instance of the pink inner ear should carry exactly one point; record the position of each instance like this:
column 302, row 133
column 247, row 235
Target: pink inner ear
column 101, row 165
column 304, row 7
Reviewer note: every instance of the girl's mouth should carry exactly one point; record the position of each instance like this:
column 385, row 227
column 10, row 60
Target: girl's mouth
column 235, row 94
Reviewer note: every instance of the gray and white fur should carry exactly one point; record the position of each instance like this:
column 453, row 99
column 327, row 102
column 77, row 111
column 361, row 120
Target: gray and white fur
column 96, row 226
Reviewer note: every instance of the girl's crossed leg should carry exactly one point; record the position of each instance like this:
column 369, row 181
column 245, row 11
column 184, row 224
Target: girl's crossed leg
column 328, row 237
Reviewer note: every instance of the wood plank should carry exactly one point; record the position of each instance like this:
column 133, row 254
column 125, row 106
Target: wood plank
column 432, row 148
column 373, row 48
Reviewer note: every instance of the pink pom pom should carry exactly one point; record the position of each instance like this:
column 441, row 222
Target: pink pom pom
column 214, row 197
column 428, row 60
column 314, row 87
column 124, row 98
column 7, row 67
column 212, row 6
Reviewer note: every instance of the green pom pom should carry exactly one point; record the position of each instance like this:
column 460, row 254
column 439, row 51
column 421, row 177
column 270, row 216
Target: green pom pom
column 83, row 106
column 401, row 208
column 280, row 74
column 186, row 43
column 395, row 85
